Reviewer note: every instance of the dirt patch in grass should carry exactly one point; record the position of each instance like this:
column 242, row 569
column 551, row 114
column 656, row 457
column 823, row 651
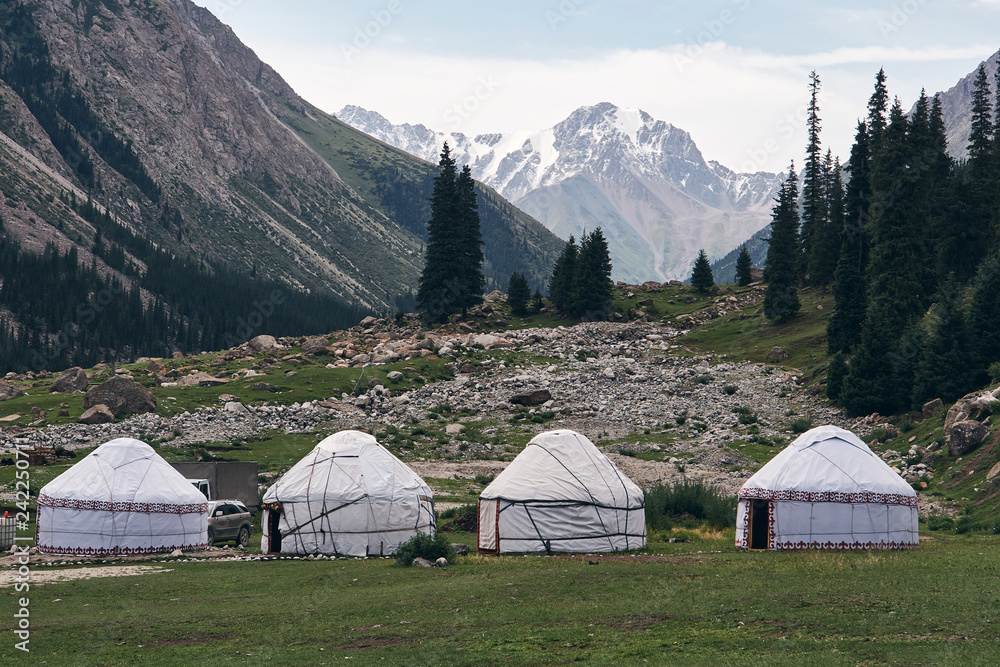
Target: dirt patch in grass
column 374, row 642
column 201, row 639
column 8, row 578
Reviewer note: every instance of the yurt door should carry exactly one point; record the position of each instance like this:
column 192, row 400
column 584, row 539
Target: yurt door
column 759, row 510
column 489, row 538
column 273, row 532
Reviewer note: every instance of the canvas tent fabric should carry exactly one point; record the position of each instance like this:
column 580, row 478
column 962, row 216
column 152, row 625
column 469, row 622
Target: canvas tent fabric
column 561, row 494
column 349, row 496
column 121, row 499
column 826, row 490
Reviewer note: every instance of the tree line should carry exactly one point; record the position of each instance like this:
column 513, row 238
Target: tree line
column 909, row 247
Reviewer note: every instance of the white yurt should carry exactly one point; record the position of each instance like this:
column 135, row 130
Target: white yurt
column 826, row 490
column 561, row 494
column 349, row 496
column 121, row 499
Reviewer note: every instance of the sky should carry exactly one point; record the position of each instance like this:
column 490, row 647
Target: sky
column 732, row 73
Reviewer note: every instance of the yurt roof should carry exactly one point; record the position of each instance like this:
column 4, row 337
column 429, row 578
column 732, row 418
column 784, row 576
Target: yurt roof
column 347, row 465
column 124, row 470
column 827, row 463
column 564, row 465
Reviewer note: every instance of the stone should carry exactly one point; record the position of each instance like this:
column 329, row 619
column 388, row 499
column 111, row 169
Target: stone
column 421, row 562
column 609, row 373
column 200, row 379
column 264, row 343
column 992, row 474
column 9, row 391
column 315, row 346
column 454, row 429
column 441, row 562
column 70, row 381
column 536, row 397
column 965, row 436
column 460, row 549
column 776, row 354
column 175, row 553
column 367, row 322
column 228, row 398
column 931, row 408
column 237, row 409
column 98, row 414
column 122, row 396
column 375, row 382
column 155, row 367
column 394, row 376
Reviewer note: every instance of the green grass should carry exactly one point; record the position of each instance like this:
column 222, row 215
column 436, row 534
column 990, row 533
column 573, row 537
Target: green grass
column 699, row 603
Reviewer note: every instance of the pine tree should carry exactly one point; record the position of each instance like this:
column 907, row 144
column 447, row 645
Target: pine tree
column 945, row 368
column 701, row 275
column 471, row 258
column 984, row 315
column 592, row 284
column 537, row 301
column 440, row 291
column 828, row 229
column 743, row 265
column 813, row 180
column 563, row 275
column 518, row 293
column 835, row 375
column 781, row 301
column 878, row 106
column 981, row 130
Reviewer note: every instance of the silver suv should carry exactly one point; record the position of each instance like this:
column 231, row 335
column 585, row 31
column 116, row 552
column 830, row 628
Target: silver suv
column 229, row 520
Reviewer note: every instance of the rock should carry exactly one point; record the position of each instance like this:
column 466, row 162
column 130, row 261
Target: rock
column 454, row 429
column 200, row 379
column 374, row 382
column 776, row 354
column 441, row 562
column 98, row 414
column 237, row 409
column 394, row 376
column 536, row 397
column 155, row 367
column 264, row 343
column 460, row 549
column 965, row 436
column 122, row 396
column 496, row 296
column 175, row 553
column 931, row 408
column 367, row 322
column 346, row 408
column 70, row 381
column 484, row 339
column 315, row 346
column 421, row 562
column 609, row 373
column 9, row 391
column 994, row 471
column 228, row 398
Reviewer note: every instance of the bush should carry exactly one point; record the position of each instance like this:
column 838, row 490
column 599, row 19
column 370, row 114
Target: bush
column 801, row 425
column 483, row 479
column 730, row 389
column 423, row 546
column 667, row 503
column 702, row 379
column 745, row 415
column 965, row 525
column 941, row 523
column 994, row 371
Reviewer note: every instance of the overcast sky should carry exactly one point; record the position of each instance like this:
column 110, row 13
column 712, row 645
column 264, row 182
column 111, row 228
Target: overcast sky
column 733, row 73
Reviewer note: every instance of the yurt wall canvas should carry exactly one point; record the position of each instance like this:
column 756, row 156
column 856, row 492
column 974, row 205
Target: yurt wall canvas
column 121, row 499
column 826, row 490
column 561, row 494
column 349, row 496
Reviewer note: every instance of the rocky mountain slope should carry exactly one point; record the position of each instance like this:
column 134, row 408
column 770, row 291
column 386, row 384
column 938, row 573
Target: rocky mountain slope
column 159, row 113
column 956, row 106
column 641, row 179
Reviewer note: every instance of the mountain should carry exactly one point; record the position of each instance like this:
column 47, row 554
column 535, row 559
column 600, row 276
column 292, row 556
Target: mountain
column 147, row 141
column 642, row 180
column 956, row 107
column 724, row 268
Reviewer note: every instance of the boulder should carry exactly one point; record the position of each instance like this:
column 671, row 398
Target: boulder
column 536, row 397
column 99, row 414
column 315, row 346
column 421, row 562
column 965, row 436
column 264, row 343
column 460, row 549
column 200, row 379
column 237, row 409
column 70, row 381
column 375, row 382
column 454, row 429
column 776, row 354
column 367, row 322
column 9, row 391
column 441, row 562
column 122, row 396
column 394, row 376
column 931, row 408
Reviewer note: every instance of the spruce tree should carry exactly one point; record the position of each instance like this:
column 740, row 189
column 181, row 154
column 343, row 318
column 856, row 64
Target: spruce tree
column 592, row 284
column 835, row 375
column 878, row 106
column 518, row 293
column 984, row 315
column 781, row 301
column 981, row 130
column 563, row 275
column 944, row 368
column 813, row 181
column 439, row 293
column 701, row 274
column 828, row 228
column 743, row 265
column 470, row 269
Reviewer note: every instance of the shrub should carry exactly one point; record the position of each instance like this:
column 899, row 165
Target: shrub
column 994, row 371
column 905, row 424
column 680, row 420
column 667, row 503
column 702, row 379
column 745, row 415
column 965, row 525
column 801, row 425
column 483, row 479
column 730, row 389
column 941, row 523
column 423, row 546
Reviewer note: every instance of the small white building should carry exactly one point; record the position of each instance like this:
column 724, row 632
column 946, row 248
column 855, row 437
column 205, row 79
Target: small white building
column 826, row 490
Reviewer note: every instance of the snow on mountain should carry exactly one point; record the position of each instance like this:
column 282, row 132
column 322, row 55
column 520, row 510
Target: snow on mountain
column 642, row 180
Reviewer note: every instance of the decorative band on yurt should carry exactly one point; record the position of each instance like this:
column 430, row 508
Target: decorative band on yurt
column 861, row 497
column 109, row 506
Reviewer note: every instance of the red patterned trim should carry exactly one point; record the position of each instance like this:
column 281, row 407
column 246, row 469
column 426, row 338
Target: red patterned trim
column 830, row 497
column 108, row 506
column 796, row 546
column 115, row 551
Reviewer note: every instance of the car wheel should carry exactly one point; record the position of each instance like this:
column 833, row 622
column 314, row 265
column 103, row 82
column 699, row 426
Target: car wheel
column 211, row 537
column 244, row 539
